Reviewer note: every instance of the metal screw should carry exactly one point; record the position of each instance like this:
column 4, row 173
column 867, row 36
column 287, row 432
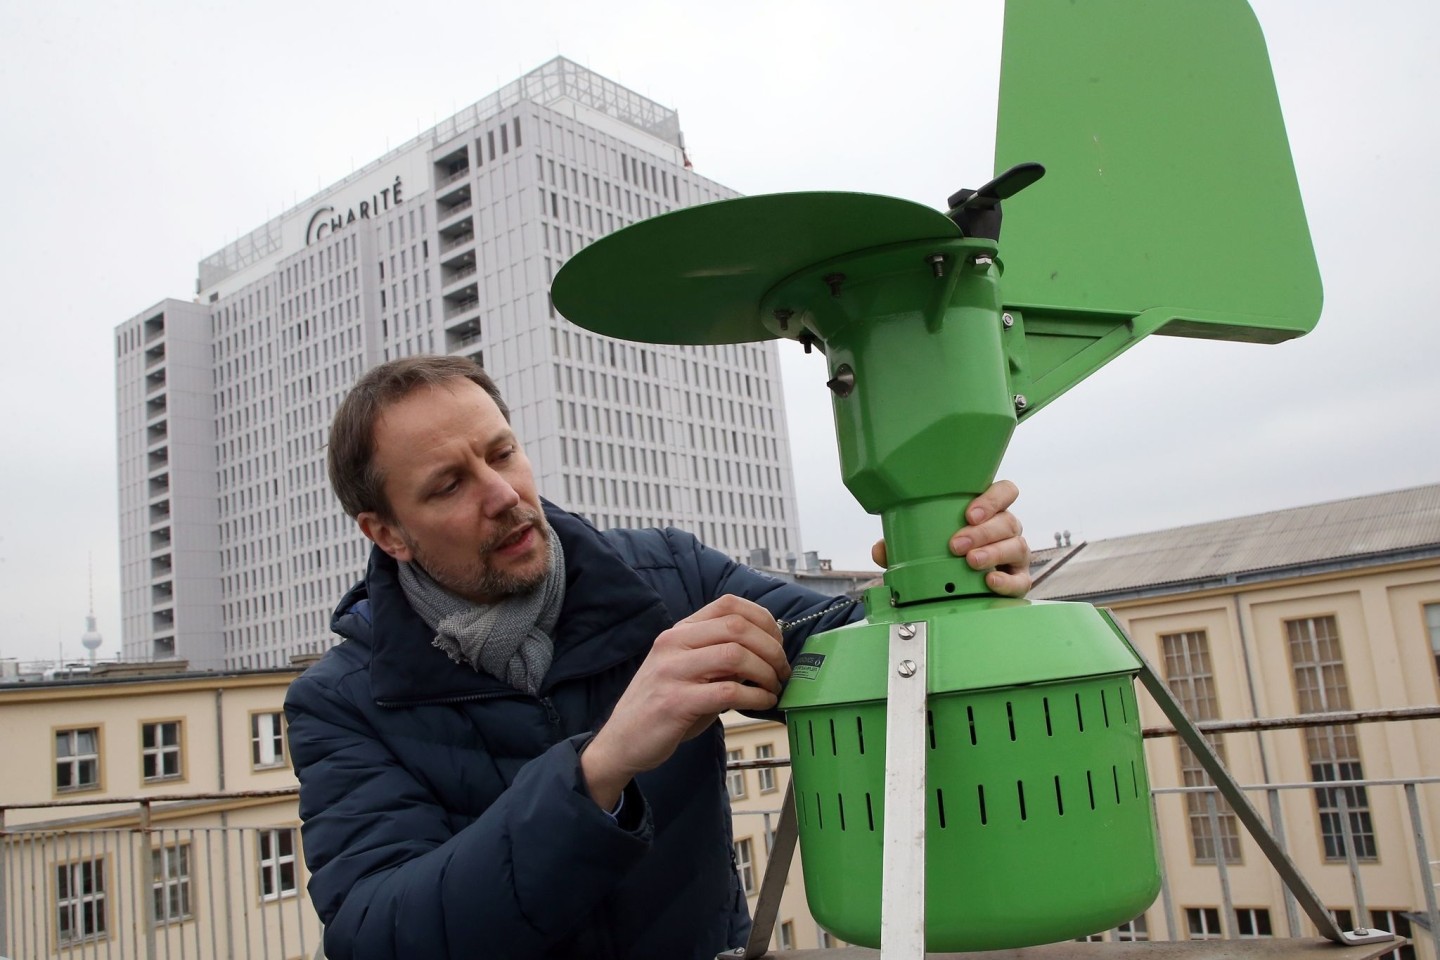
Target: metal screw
column 937, row 263
column 906, row 668
column 782, row 317
column 1020, row 402
column 984, row 261
column 1361, row 932
column 1005, row 318
column 833, row 281
column 907, row 631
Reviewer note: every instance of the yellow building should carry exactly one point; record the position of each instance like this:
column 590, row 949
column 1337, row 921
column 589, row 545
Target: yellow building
column 151, row 815
column 1319, row 609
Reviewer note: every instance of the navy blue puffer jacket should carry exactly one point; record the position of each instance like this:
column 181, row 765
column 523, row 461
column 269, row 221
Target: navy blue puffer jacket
column 444, row 812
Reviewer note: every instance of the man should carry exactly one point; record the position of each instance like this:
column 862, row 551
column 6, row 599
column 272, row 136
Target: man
column 515, row 752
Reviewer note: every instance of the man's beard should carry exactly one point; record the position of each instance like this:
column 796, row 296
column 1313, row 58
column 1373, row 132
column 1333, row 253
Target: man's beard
column 477, row 579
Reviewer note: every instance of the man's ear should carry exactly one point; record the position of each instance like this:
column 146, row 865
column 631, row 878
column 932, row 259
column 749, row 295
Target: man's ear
column 386, row 535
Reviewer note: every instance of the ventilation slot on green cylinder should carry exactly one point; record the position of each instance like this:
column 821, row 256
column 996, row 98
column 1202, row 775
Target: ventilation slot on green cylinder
column 969, row 768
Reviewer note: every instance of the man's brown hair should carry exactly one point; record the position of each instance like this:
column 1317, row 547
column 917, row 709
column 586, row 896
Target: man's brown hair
column 351, row 455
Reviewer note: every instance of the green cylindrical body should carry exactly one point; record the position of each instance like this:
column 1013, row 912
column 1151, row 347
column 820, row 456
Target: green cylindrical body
column 1038, row 817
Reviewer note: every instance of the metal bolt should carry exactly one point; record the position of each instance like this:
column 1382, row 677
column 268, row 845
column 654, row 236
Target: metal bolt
column 1361, row 932
column 906, row 668
column 907, row 631
column 843, row 383
column 1005, row 318
column 782, row 317
column 833, row 281
column 1020, row 402
column 937, row 263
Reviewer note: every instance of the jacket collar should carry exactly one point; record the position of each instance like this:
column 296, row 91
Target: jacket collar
column 609, row 616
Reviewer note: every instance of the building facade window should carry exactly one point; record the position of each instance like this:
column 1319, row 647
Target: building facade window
column 1432, row 627
column 170, row 866
column 1203, row 923
column 766, row 775
column 1333, row 751
column 787, row 935
column 1253, row 923
column 77, row 759
column 1396, row 922
column 745, row 864
column 735, row 779
column 1191, row 678
column 80, row 905
column 267, row 740
column 277, row 864
column 160, row 751
column 1134, row 931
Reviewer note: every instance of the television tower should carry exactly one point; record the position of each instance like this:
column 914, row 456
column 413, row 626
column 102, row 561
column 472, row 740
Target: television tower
column 91, row 639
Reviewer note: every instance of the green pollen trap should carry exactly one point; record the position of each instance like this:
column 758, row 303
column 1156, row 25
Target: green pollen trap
column 968, row 767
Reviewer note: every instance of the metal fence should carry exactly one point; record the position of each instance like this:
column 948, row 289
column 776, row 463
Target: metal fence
column 79, row 890
column 1358, row 913
column 221, row 892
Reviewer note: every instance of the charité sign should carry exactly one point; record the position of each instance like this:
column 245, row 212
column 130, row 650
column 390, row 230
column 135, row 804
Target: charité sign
column 328, row 219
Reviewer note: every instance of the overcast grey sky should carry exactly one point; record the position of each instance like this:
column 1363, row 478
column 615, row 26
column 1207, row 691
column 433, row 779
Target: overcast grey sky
column 141, row 137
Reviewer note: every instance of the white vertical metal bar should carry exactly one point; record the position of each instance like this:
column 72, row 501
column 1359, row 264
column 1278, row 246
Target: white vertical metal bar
column 147, row 880
column 1362, row 913
column 210, row 895
column 902, row 898
column 4, row 885
column 301, row 900
column 114, row 915
column 244, row 896
column 166, row 866
column 226, row 874
column 1167, row 898
column 1422, row 856
column 38, row 891
column 131, row 842
column 1212, row 814
column 190, row 879
column 1277, row 827
column 260, row 910
column 280, row 900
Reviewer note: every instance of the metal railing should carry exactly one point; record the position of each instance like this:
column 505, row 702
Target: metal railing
column 1419, row 794
column 450, row 178
column 446, row 245
column 77, row 891
column 1173, row 926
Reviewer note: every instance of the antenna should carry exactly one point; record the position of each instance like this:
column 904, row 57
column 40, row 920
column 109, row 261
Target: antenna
column 970, row 767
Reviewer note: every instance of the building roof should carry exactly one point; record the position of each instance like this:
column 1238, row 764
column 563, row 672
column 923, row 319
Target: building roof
column 1384, row 527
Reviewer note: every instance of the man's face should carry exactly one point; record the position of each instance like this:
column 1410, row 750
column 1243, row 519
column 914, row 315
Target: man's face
column 462, row 494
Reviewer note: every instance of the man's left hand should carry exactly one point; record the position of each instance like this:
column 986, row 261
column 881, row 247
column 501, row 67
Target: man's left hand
column 991, row 538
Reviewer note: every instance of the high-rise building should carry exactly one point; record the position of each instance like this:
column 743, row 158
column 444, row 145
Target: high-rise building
column 233, row 549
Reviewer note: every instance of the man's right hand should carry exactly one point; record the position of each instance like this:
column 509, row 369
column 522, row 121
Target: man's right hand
column 726, row 656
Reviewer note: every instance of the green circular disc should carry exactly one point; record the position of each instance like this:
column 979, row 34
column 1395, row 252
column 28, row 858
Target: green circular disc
column 697, row 276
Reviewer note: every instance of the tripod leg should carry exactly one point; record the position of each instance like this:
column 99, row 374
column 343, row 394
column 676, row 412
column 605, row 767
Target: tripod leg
column 1244, row 810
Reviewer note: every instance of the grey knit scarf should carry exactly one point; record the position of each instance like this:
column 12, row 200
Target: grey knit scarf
column 509, row 640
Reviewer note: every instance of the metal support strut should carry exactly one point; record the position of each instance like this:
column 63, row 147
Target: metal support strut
column 1244, row 810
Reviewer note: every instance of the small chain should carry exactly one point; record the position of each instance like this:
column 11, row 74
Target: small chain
column 787, row 624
